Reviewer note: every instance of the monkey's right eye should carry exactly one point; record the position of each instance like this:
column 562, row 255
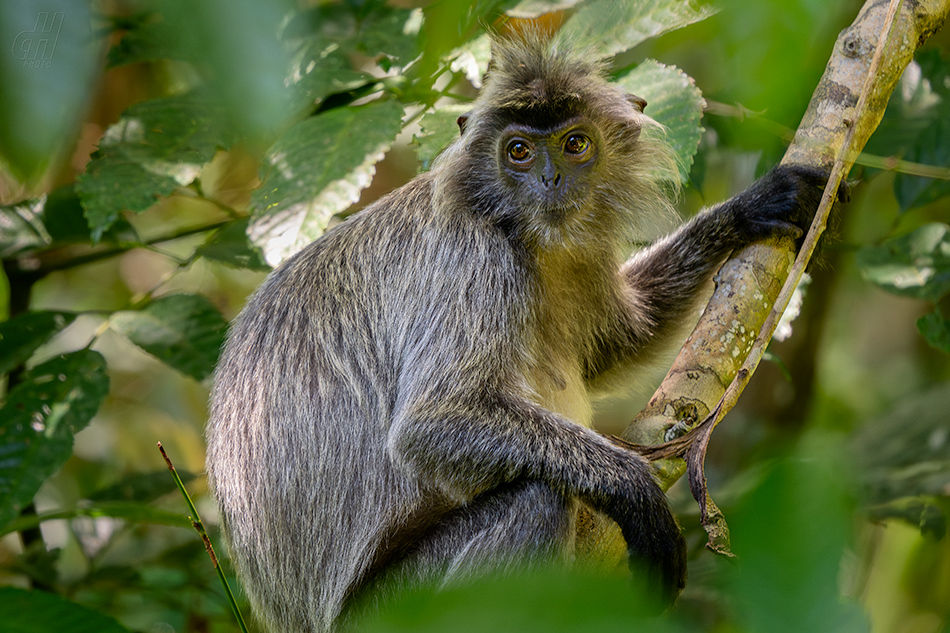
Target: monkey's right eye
column 519, row 152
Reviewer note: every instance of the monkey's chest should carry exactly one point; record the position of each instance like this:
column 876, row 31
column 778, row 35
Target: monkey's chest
column 559, row 387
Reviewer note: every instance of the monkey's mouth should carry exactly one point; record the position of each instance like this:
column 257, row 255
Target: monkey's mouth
column 556, row 214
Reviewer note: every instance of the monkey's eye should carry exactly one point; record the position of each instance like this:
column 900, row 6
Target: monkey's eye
column 577, row 145
column 519, row 152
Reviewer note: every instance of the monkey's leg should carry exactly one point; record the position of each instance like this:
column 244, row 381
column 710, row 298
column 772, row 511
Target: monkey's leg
column 504, row 530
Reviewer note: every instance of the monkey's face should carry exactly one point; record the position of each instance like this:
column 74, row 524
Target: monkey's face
column 549, row 171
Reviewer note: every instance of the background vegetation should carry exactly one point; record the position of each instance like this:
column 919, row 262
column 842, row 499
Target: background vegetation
column 159, row 155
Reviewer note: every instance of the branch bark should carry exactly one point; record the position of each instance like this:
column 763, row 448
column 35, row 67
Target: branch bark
column 845, row 109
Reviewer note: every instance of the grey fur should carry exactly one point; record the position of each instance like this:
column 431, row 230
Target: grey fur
column 407, row 399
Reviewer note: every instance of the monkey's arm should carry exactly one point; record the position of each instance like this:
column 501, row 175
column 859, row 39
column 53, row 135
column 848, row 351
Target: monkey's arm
column 468, row 447
column 664, row 279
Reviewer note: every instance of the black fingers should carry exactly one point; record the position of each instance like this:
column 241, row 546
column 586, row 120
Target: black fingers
column 783, row 202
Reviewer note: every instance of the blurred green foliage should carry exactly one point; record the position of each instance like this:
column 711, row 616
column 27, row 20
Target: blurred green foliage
column 157, row 157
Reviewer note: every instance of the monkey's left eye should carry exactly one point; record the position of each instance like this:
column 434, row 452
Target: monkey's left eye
column 577, row 145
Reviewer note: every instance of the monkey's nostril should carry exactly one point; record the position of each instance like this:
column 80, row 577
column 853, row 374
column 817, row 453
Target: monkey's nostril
column 557, row 180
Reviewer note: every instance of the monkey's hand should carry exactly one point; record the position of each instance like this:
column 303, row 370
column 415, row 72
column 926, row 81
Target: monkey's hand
column 656, row 548
column 782, row 202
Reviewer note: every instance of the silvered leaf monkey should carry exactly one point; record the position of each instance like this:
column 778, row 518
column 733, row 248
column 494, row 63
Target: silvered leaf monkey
column 408, row 399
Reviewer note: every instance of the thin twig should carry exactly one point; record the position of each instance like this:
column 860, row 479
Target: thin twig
column 200, row 528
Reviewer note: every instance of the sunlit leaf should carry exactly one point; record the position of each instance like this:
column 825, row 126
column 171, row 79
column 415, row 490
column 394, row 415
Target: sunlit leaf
column 23, row 611
column 315, row 170
column 611, row 27
column 20, row 336
column 912, row 265
column 53, row 402
column 674, row 101
column 184, row 331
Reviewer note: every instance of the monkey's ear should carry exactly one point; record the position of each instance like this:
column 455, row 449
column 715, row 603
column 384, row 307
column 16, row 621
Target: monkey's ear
column 637, row 102
column 462, row 120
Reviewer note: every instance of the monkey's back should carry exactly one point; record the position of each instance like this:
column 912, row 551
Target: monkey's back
column 307, row 387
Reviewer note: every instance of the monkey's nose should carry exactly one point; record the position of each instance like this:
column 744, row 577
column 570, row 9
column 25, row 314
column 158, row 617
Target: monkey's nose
column 551, row 181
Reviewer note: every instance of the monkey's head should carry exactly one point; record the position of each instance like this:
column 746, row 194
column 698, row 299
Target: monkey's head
column 554, row 150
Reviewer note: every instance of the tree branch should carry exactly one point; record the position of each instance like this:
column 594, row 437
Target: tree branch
column 720, row 355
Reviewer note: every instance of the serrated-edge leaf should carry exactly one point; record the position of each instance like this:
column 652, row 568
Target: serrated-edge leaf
column 112, row 184
column 54, row 401
column 23, row 611
column 673, row 100
column 183, row 331
column 316, row 170
column 436, row 130
column 22, row 335
column 610, row 27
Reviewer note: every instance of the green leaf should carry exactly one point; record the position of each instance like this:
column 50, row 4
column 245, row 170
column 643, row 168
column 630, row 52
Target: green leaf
column 936, row 330
column 50, row 57
column 315, row 170
column 184, row 331
column 20, row 336
column 113, row 183
column 23, row 611
column 913, row 265
column 230, row 246
column 436, row 130
column 672, row 100
column 916, row 127
column 54, row 401
column 610, row 27
column 156, row 147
